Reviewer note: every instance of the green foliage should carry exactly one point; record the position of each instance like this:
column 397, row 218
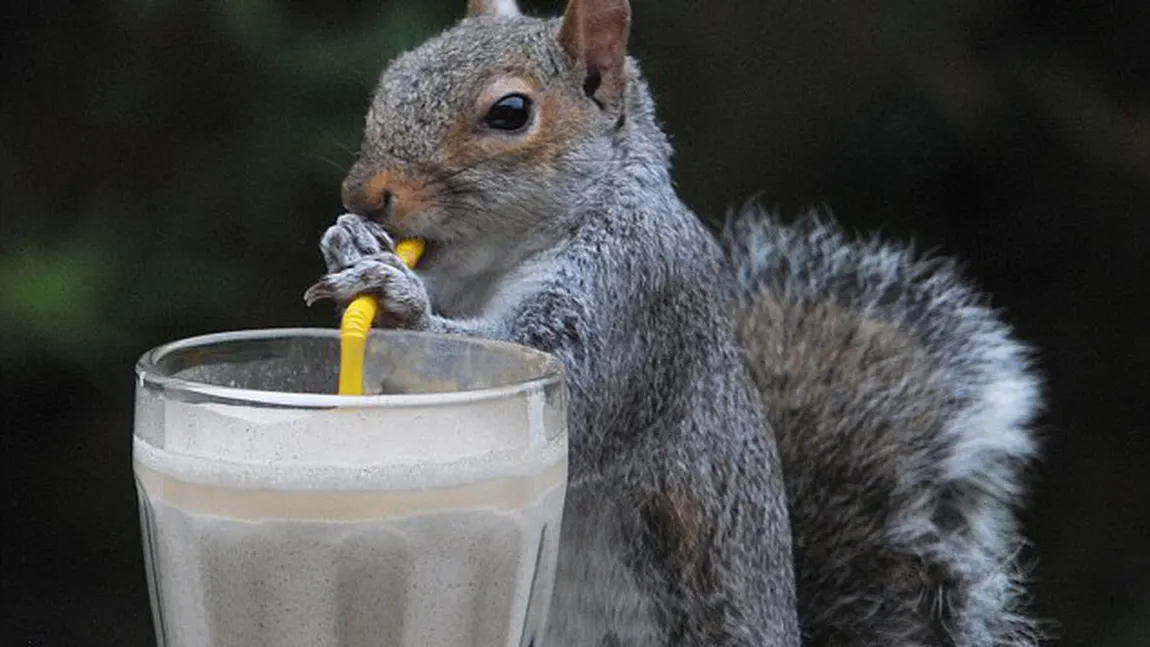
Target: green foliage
column 55, row 300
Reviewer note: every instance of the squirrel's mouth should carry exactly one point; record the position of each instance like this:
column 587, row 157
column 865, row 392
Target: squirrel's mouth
column 431, row 250
column 397, row 234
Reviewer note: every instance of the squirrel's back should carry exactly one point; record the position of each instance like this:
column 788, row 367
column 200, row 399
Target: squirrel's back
column 901, row 407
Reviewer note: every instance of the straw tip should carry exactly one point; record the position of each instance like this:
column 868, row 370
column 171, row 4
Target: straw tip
column 409, row 250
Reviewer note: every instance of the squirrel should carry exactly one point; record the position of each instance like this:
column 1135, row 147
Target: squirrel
column 779, row 434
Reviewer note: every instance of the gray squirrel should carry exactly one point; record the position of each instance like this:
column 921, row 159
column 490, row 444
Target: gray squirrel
column 778, row 435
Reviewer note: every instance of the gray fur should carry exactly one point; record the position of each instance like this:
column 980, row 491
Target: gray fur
column 900, row 403
column 676, row 529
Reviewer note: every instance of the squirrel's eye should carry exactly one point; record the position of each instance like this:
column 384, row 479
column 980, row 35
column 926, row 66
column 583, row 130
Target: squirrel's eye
column 511, row 113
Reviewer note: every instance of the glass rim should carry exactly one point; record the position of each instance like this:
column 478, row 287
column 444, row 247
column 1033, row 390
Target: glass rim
column 148, row 373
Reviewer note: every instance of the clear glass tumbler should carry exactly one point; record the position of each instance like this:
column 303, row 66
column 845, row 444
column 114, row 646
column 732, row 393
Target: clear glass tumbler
column 275, row 512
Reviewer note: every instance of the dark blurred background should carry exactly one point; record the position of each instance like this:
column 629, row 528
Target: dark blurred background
column 167, row 167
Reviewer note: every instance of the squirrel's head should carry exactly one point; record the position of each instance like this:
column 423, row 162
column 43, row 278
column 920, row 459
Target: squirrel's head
column 488, row 127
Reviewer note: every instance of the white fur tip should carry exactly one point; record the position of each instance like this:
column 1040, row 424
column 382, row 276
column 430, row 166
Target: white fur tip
column 505, row 8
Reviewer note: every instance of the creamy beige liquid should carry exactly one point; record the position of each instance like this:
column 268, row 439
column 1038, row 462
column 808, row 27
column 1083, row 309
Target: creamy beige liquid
column 236, row 562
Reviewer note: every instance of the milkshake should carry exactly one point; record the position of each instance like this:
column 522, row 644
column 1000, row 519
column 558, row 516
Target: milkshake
column 277, row 514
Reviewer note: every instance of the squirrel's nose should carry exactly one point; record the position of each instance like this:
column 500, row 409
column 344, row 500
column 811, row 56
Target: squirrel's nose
column 386, row 205
column 362, row 203
column 384, row 196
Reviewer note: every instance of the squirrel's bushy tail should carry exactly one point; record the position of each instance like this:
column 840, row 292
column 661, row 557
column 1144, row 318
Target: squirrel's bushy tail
column 901, row 407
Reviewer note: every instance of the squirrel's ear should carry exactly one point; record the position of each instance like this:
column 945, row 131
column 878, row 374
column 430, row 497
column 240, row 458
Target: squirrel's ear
column 492, row 8
column 594, row 33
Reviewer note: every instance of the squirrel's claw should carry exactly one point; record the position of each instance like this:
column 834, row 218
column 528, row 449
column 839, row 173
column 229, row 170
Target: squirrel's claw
column 322, row 289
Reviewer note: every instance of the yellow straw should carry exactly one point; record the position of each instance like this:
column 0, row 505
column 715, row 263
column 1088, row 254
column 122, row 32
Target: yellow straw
column 356, row 323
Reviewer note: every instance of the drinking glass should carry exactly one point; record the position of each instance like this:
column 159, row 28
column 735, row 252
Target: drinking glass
column 275, row 512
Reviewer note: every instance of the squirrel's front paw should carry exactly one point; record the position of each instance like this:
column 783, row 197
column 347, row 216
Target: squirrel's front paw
column 403, row 301
column 351, row 239
column 361, row 259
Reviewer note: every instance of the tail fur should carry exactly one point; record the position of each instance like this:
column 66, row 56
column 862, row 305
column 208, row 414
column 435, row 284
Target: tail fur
column 901, row 407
